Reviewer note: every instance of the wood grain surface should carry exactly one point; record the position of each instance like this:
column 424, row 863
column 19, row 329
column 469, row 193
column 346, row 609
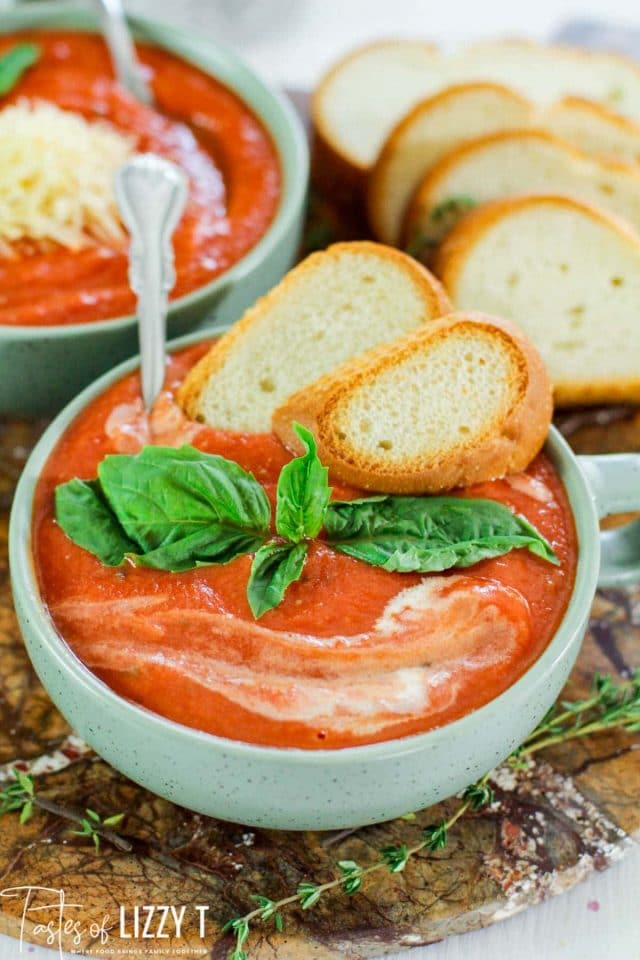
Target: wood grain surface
column 570, row 813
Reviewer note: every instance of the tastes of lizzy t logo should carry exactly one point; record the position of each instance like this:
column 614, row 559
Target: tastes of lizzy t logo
column 49, row 918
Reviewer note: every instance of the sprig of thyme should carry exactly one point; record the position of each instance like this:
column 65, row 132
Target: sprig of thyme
column 610, row 706
column 21, row 795
column 350, row 879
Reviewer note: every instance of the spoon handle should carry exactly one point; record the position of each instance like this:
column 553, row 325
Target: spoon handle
column 151, row 194
column 123, row 53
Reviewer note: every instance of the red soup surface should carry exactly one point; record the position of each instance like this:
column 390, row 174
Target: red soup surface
column 353, row 655
column 232, row 164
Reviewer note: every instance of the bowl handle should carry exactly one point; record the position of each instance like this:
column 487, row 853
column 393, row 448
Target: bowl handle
column 614, row 481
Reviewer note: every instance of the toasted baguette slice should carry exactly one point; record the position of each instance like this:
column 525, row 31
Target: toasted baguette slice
column 569, row 276
column 594, row 129
column 335, row 304
column 425, row 134
column 514, row 163
column 362, row 97
column 359, row 99
column 463, row 399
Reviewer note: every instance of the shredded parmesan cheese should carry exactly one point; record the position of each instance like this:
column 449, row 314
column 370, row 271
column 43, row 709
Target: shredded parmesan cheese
column 56, row 178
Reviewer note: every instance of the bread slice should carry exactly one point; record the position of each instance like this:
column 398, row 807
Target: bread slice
column 425, row 134
column 513, row 163
column 359, row 99
column 569, row 276
column 594, row 129
column 462, row 399
column 547, row 72
column 363, row 96
column 335, row 304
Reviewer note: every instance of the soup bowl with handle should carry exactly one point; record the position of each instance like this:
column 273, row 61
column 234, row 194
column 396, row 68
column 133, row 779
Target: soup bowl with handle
column 324, row 789
column 43, row 367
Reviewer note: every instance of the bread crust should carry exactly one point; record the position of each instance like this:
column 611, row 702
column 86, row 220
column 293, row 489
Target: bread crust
column 379, row 171
column 452, row 254
column 435, row 298
column 598, row 110
column 506, row 447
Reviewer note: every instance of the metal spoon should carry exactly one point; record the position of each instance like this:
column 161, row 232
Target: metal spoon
column 123, row 53
column 151, row 194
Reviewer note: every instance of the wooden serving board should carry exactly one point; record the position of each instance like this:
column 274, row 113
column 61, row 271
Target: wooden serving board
column 573, row 812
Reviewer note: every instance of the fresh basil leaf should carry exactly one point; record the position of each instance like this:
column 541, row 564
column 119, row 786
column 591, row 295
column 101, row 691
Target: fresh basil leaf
column 89, row 522
column 428, row 534
column 303, row 493
column 274, row 567
column 215, row 544
column 14, row 62
column 164, row 495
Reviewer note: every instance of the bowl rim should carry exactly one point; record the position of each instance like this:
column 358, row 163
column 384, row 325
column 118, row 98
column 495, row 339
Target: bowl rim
column 24, row 584
column 285, row 129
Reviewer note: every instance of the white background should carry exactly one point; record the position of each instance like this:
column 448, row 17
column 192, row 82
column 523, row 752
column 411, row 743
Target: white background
column 290, row 42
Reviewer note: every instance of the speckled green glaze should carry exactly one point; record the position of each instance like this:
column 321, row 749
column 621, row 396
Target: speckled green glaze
column 42, row 368
column 320, row 789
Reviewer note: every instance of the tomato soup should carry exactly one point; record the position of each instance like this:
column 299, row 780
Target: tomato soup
column 354, row 654
column 228, row 155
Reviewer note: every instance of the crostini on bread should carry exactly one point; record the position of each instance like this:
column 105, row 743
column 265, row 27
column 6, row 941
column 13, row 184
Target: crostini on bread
column 460, row 400
column 568, row 275
column 514, row 163
column 335, row 304
column 363, row 96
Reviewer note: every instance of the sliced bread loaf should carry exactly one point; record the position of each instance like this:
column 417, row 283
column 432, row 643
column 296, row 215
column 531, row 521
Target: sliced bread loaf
column 458, row 114
column 335, row 304
column 569, row 276
column 462, row 399
column 514, row 163
column 362, row 97
column 424, row 135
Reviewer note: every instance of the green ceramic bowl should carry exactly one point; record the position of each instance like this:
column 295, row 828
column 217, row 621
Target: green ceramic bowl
column 42, row 368
column 324, row 789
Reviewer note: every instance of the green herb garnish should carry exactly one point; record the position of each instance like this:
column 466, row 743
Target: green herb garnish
column 88, row 520
column 428, row 534
column 274, row 567
column 21, row 795
column 14, row 62
column 303, row 493
column 172, row 509
column 452, row 207
column 176, row 509
column 441, row 219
